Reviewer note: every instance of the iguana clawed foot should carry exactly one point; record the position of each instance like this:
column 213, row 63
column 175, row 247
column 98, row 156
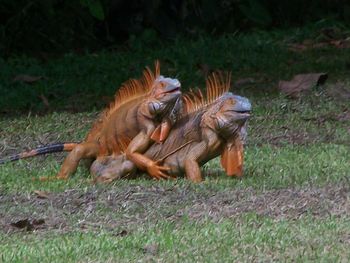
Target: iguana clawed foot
column 110, row 168
column 158, row 172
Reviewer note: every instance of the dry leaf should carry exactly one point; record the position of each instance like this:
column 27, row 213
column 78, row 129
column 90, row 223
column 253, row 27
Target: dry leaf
column 27, row 78
column 22, row 224
column 41, row 194
column 27, row 224
column 121, row 233
column 301, row 83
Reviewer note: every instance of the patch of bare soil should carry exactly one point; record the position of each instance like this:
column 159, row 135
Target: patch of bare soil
column 118, row 209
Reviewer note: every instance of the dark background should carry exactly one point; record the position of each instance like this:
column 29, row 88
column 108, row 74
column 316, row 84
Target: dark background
column 65, row 25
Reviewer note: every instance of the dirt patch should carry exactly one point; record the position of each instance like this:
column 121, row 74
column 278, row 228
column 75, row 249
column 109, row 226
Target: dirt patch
column 117, row 209
column 279, row 204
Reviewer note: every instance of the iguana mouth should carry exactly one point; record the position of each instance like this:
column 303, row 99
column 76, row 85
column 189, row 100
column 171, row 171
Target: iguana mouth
column 172, row 85
column 171, row 89
column 243, row 115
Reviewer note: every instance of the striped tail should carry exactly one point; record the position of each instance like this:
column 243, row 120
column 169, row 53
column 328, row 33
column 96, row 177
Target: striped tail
column 51, row 148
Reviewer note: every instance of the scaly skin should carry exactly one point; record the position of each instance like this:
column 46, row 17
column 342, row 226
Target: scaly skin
column 196, row 138
column 132, row 124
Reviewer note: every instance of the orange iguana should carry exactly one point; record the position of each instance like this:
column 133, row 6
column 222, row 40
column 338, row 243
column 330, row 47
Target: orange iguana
column 143, row 112
column 210, row 127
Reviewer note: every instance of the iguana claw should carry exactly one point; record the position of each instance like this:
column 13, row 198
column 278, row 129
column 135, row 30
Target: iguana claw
column 158, row 171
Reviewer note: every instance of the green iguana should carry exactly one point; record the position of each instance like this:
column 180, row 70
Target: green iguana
column 211, row 126
column 143, row 112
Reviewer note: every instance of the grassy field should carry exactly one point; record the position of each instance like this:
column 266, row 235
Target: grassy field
column 293, row 204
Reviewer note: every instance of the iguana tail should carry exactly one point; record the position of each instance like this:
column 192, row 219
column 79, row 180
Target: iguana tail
column 51, row 148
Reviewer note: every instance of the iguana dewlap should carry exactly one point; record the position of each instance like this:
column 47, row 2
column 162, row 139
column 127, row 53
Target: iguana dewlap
column 211, row 127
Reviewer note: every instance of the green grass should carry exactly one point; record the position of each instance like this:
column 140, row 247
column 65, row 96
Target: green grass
column 292, row 144
column 266, row 167
column 247, row 238
column 76, row 83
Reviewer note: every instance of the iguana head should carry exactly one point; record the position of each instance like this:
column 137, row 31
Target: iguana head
column 227, row 115
column 231, row 115
column 227, row 118
column 163, row 105
column 164, row 97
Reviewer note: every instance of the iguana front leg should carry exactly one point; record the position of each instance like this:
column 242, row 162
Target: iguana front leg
column 192, row 168
column 199, row 152
column 135, row 151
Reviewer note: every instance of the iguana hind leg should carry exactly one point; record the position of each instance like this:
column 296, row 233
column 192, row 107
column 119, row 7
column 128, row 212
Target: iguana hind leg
column 81, row 151
column 193, row 171
column 70, row 164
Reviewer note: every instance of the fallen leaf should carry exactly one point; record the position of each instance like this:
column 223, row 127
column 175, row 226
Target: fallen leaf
column 301, row 83
column 27, row 224
column 27, row 78
column 121, row 233
column 23, row 224
column 41, row 194
column 37, row 222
